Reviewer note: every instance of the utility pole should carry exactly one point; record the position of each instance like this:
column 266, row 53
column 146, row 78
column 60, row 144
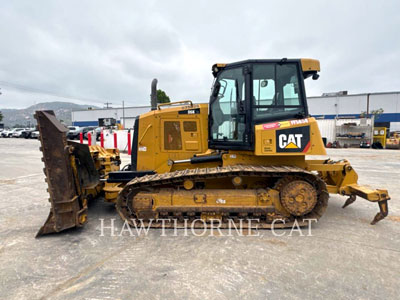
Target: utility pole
column 107, row 103
column 123, row 114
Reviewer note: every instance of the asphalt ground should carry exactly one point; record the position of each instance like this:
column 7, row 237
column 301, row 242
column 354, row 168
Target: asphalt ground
column 344, row 257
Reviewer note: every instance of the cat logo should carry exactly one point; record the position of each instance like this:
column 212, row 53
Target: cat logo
column 293, row 139
column 290, row 141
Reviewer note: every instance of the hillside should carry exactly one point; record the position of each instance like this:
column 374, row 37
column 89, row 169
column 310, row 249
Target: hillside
column 24, row 117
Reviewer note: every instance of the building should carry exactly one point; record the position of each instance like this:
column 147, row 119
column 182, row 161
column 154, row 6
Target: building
column 125, row 116
column 330, row 106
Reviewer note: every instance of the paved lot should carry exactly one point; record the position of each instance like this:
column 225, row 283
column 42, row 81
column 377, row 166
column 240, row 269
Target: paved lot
column 345, row 258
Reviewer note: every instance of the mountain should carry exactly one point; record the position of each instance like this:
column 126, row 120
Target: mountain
column 24, row 117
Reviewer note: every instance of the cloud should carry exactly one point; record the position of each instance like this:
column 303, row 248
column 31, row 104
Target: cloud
column 110, row 51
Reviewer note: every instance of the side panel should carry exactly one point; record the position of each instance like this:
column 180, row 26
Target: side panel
column 171, row 134
column 293, row 137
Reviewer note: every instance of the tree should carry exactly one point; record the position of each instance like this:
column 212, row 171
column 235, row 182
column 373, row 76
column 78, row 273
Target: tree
column 162, row 97
column 1, row 116
column 376, row 113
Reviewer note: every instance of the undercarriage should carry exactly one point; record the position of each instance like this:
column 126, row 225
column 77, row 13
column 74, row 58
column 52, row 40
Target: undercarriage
column 233, row 194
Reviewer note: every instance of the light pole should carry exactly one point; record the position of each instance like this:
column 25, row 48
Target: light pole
column 123, row 114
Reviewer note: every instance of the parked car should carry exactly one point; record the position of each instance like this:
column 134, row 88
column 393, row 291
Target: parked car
column 365, row 144
column 95, row 131
column 27, row 133
column 5, row 133
column 73, row 132
column 86, row 130
column 17, row 132
column 9, row 133
column 34, row 134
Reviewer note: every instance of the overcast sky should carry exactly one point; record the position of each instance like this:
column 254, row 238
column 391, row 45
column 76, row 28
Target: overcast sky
column 100, row 51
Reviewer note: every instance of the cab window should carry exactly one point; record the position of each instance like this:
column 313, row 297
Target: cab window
column 276, row 93
column 228, row 120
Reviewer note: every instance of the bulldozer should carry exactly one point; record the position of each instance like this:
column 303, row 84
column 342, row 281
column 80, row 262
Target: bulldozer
column 242, row 156
column 393, row 142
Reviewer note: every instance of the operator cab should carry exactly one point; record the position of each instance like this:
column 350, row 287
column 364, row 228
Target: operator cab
column 253, row 92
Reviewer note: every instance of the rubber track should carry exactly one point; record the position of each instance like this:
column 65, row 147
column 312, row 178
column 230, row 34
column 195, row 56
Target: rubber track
column 175, row 178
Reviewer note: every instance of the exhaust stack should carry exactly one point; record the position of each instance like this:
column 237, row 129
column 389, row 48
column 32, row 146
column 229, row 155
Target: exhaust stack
column 153, row 96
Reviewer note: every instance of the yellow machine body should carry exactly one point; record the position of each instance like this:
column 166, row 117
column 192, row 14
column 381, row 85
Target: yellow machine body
column 173, row 138
column 394, row 141
column 165, row 134
column 380, row 136
column 187, row 163
column 106, row 161
column 154, row 152
column 160, row 145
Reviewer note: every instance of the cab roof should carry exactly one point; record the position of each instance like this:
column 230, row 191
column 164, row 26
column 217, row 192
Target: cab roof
column 309, row 66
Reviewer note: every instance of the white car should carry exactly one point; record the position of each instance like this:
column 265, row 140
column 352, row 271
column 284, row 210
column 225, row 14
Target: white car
column 73, row 132
column 7, row 133
column 17, row 132
column 35, row 135
column 4, row 133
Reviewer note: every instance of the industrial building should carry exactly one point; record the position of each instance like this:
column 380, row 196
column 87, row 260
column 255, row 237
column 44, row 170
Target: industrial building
column 342, row 105
column 328, row 106
column 123, row 115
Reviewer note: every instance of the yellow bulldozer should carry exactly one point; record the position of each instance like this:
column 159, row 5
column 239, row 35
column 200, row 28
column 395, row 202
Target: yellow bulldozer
column 242, row 156
column 393, row 142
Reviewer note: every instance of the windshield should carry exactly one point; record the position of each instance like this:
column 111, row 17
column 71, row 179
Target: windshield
column 227, row 118
column 250, row 94
column 276, row 92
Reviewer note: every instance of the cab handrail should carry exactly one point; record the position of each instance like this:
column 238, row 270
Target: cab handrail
column 174, row 103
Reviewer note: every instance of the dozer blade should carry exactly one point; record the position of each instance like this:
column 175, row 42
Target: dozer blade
column 69, row 168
